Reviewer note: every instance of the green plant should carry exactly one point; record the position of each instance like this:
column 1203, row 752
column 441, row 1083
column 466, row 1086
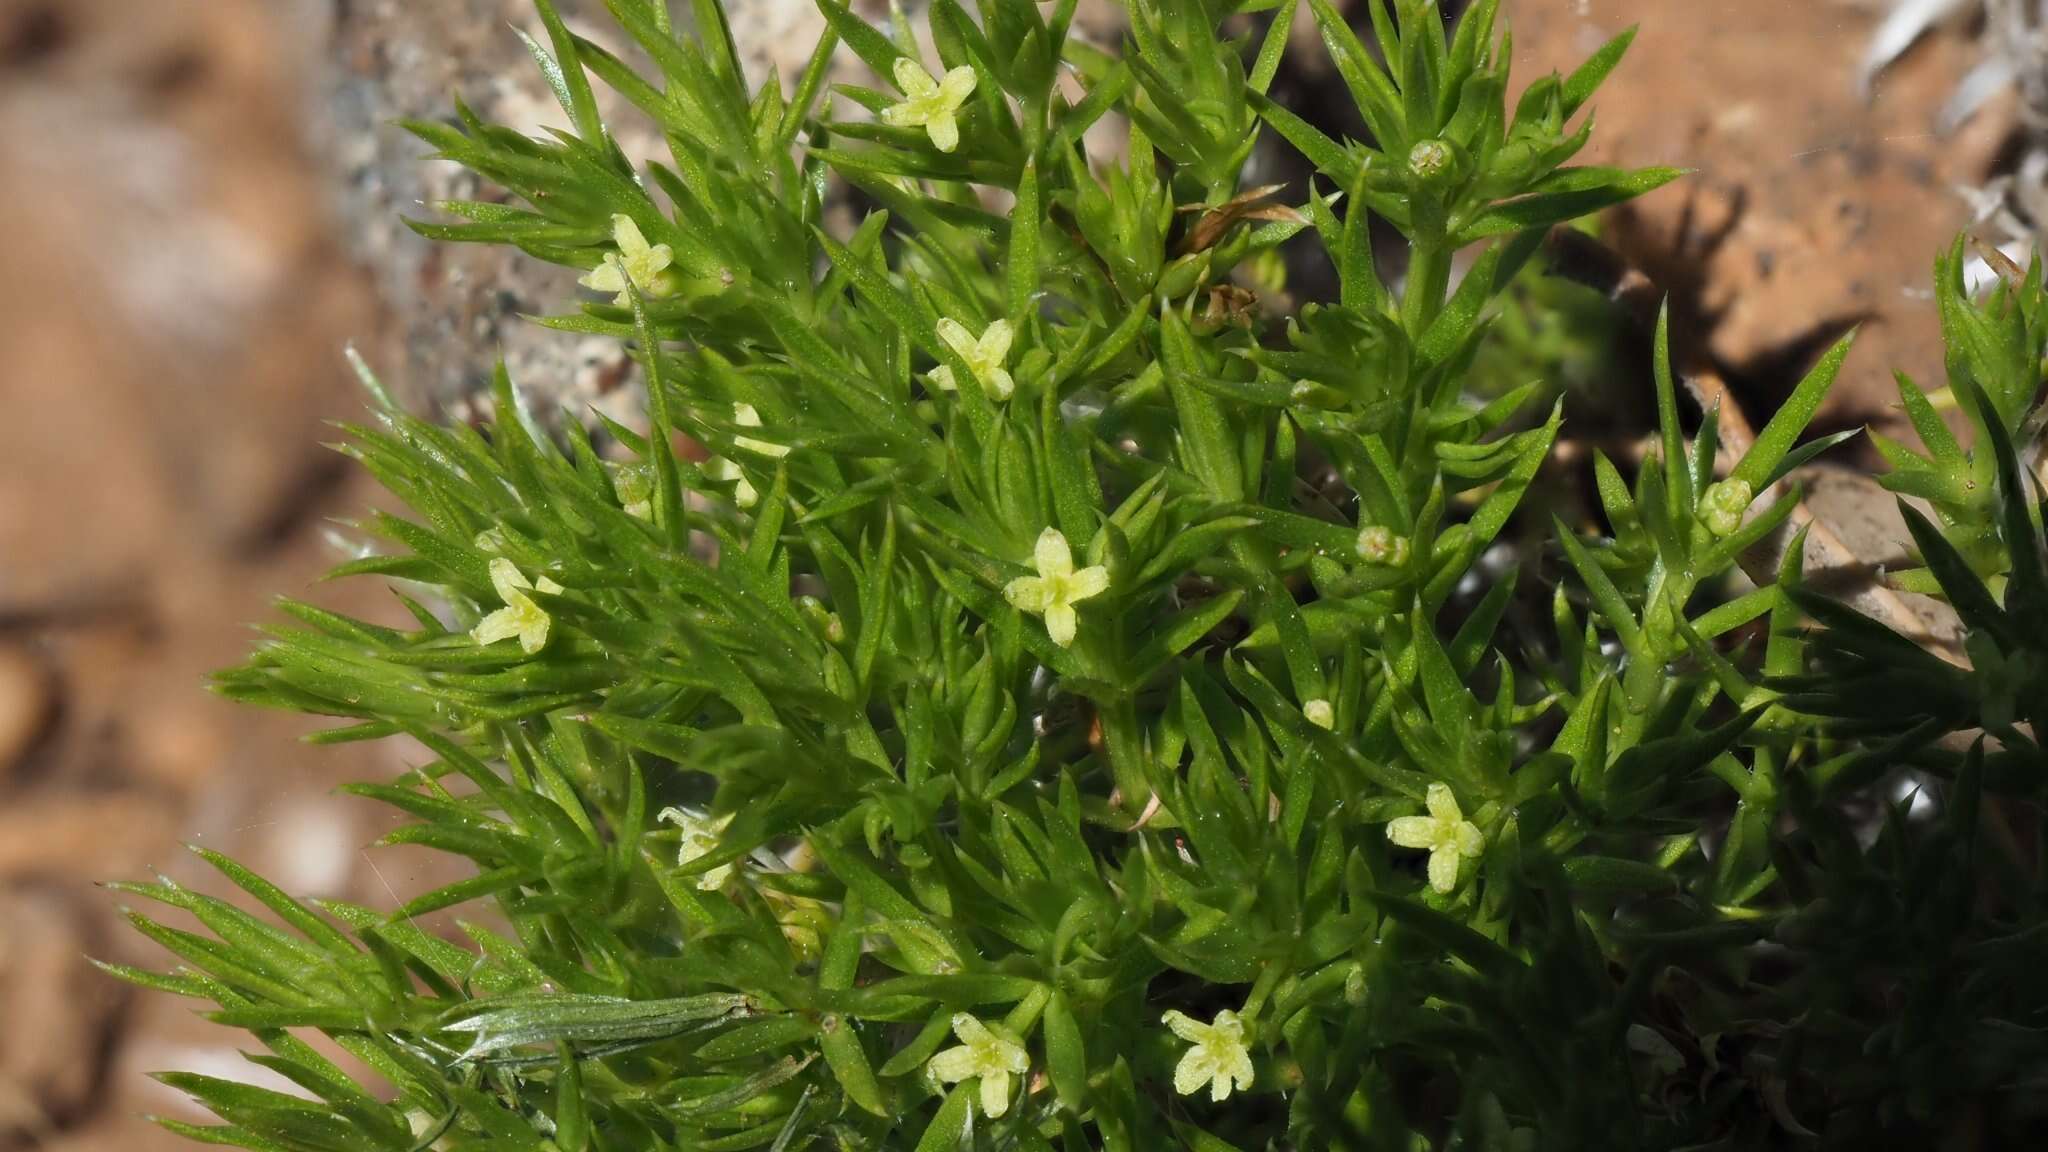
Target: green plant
column 1083, row 716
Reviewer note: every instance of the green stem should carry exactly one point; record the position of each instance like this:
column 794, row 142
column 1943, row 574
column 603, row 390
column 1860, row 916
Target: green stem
column 1123, row 745
column 1429, row 279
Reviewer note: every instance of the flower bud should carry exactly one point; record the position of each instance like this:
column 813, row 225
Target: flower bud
column 1436, row 163
column 634, row 486
column 1723, row 506
column 1354, row 986
column 1320, row 713
column 1380, row 548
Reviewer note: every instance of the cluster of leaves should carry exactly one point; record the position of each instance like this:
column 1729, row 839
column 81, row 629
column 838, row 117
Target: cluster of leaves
column 1549, row 327
column 1088, row 704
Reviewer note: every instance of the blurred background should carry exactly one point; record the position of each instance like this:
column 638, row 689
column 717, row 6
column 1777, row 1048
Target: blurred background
column 201, row 206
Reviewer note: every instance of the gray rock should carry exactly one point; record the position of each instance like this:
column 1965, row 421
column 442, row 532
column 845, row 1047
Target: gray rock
column 458, row 307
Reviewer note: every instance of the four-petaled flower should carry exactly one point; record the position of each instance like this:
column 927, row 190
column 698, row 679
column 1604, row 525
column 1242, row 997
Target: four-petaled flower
column 520, row 616
column 747, row 416
column 985, row 1055
column 700, row 836
column 1219, row 1057
column 1444, row 833
column 1057, row 587
column 637, row 264
column 930, row 104
column 984, row 356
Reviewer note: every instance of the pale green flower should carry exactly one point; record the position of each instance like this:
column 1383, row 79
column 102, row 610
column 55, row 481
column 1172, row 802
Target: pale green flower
column 520, row 616
column 636, row 263
column 1220, row 1058
column 1320, row 713
column 1057, row 587
column 930, row 104
column 747, row 416
column 1381, row 548
column 1723, row 505
column 984, row 355
column 728, row 472
column 700, row 836
column 1444, row 833
column 983, row 1055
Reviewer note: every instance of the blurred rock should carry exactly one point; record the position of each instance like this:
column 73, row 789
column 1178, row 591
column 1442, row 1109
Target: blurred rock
column 173, row 302
column 85, row 835
column 60, row 1013
column 28, row 702
column 166, row 240
column 461, row 306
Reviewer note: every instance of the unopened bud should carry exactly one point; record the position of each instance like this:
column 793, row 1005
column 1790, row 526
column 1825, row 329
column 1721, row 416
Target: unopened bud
column 1380, row 548
column 1320, row 713
column 1724, row 504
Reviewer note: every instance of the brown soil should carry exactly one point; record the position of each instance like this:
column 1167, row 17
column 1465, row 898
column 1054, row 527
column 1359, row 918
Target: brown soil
column 197, row 228
column 1809, row 211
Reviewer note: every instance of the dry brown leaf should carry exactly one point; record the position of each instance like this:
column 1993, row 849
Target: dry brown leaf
column 1247, row 205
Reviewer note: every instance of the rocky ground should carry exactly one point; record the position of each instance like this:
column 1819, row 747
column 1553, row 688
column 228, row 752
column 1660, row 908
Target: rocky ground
column 202, row 197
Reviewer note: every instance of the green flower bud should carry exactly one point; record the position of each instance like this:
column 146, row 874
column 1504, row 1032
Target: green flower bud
column 634, row 486
column 1354, row 986
column 1516, row 163
column 1380, row 548
column 1435, row 163
column 1184, row 275
column 1320, row 713
column 1724, row 504
column 822, row 619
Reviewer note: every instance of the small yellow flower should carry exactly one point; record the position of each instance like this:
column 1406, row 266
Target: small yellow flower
column 1723, row 505
column 520, row 616
column 985, row 1055
column 984, row 355
column 747, row 416
column 1380, row 548
column 1445, row 833
column 728, row 472
column 700, row 836
column 1320, row 713
column 637, row 264
column 1219, row 1058
column 1057, row 587
column 930, row 104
